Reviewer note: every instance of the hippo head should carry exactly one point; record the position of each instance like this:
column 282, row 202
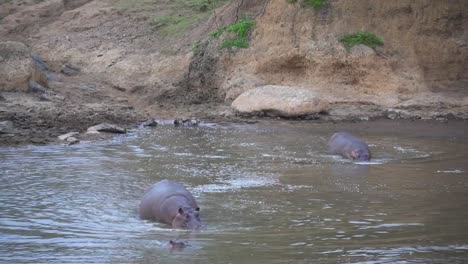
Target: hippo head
column 187, row 218
column 361, row 155
column 177, row 244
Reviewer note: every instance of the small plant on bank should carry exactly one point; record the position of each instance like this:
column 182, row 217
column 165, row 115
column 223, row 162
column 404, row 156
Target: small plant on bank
column 365, row 38
column 197, row 49
column 316, row 4
column 241, row 32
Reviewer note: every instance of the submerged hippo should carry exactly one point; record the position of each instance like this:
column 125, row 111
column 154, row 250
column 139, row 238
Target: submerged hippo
column 169, row 202
column 349, row 146
column 179, row 245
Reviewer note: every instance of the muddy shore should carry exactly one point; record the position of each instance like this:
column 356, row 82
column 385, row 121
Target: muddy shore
column 41, row 122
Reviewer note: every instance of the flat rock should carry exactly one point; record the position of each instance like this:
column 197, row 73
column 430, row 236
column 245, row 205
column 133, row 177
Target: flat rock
column 72, row 141
column 70, row 70
column 106, row 127
column 68, row 135
column 149, row 123
column 286, row 101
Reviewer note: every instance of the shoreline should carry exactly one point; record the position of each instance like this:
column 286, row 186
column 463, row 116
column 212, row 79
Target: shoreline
column 36, row 127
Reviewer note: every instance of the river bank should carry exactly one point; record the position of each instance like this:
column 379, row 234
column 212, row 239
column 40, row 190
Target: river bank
column 68, row 65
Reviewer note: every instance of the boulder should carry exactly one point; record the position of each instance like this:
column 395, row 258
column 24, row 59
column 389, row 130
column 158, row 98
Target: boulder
column 16, row 66
column 68, row 135
column 285, row 101
column 6, row 127
column 362, row 51
column 106, row 127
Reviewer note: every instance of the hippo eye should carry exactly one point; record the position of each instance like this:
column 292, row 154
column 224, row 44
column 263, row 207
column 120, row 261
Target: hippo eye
column 197, row 209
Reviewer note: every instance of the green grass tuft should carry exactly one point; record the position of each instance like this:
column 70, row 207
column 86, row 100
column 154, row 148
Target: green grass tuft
column 241, row 32
column 242, row 43
column 365, row 38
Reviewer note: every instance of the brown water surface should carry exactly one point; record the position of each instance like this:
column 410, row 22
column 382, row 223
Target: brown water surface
column 268, row 192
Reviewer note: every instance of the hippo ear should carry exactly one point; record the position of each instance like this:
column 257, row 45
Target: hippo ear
column 181, row 211
column 171, row 242
column 197, row 209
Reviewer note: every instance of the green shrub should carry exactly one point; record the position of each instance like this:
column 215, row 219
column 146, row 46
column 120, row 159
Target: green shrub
column 317, row 4
column 241, row 32
column 365, row 38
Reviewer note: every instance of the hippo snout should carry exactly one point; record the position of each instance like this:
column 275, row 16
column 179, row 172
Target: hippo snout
column 362, row 155
column 187, row 218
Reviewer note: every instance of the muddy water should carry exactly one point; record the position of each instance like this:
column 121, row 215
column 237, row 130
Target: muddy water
column 268, row 193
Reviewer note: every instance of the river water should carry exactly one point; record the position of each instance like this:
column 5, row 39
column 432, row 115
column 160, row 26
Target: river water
column 268, row 192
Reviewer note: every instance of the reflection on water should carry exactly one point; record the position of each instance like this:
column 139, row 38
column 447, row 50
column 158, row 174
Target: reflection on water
column 269, row 193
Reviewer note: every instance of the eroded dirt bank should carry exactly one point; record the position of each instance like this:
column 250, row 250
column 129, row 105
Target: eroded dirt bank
column 126, row 61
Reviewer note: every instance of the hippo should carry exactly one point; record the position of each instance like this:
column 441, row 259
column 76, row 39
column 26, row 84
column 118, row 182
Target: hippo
column 169, row 202
column 349, row 146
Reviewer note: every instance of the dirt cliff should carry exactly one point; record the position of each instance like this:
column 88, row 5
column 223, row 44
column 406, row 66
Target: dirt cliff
column 423, row 63
column 140, row 59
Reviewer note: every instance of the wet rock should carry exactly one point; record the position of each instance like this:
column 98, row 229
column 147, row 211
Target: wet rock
column 70, row 70
column 44, row 97
column 149, row 123
column 392, row 115
column 16, row 66
column 36, row 88
column 285, row 101
column 38, row 140
column 72, row 141
column 106, row 127
column 190, row 122
column 68, row 135
column 7, row 127
column 40, row 63
column 40, row 74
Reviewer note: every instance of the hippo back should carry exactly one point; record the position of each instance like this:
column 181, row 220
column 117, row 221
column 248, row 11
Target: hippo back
column 163, row 199
column 343, row 143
